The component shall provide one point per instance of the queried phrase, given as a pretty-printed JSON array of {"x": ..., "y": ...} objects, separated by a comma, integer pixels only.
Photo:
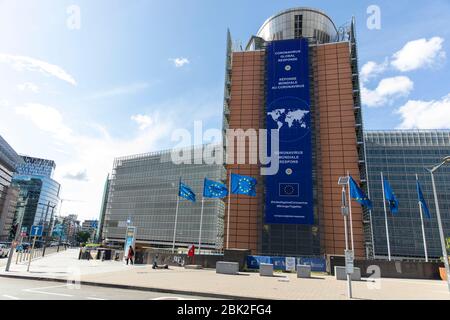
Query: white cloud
[
  {"x": 143, "y": 121},
  {"x": 45, "y": 118},
  {"x": 122, "y": 90},
  {"x": 84, "y": 152},
  {"x": 372, "y": 69},
  {"x": 387, "y": 90},
  {"x": 77, "y": 174},
  {"x": 21, "y": 63},
  {"x": 80, "y": 158},
  {"x": 180, "y": 62},
  {"x": 28, "y": 86},
  {"x": 417, "y": 114},
  {"x": 418, "y": 54}
]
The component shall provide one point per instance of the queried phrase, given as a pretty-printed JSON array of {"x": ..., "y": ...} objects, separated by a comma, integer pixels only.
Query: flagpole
[
  {"x": 201, "y": 223},
  {"x": 423, "y": 226},
  {"x": 350, "y": 210},
  {"x": 228, "y": 215},
  {"x": 386, "y": 220},
  {"x": 176, "y": 218}
]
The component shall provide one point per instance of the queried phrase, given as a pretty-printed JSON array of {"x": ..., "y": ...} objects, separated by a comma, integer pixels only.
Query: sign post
[
  {"x": 36, "y": 231},
  {"x": 349, "y": 255}
]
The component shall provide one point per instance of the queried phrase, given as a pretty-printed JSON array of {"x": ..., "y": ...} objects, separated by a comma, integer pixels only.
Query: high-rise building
[
  {"x": 143, "y": 192},
  {"x": 298, "y": 75},
  {"x": 9, "y": 159},
  {"x": 39, "y": 192},
  {"x": 68, "y": 227},
  {"x": 90, "y": 226},
  {"x": 103, "y": 209},
  {"x": 400, "y": 155}
]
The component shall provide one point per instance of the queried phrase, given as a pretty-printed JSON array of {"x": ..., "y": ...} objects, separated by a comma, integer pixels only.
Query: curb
[{"x": 138, "y": 288}]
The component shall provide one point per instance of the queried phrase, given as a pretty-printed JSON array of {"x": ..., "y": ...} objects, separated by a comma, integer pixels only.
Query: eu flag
[
  {"x": 390, "y": 197},
  {"x": 358, "y": 195},
  {"x": 422, "y": 201},
  {"x": 186, "y": 192},
  {"x": 213, "y": 189},
  {"x": 243, "y": 185}
]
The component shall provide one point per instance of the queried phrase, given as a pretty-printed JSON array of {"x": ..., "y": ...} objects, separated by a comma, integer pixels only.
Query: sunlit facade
[
  {"x": 39, "y": 192},
  {"x": 143, "y": 189},
  {"x": 400, "y": 155},
  {"x": 8, "y": 194}
]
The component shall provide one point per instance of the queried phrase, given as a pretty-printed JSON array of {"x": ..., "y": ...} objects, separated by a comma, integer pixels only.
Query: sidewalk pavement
[{"x": 66, "y": 266}]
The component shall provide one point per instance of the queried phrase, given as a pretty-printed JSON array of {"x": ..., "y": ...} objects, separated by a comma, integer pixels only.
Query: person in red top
[
  {"x": 130, "y": 255},
  {"x": 191, "y": 253}
]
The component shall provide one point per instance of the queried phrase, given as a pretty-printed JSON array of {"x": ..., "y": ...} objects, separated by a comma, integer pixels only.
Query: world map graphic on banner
[{"x": 294, "y": 117}]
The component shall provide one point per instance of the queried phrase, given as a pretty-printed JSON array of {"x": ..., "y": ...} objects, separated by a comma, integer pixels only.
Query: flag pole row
[
  {"x": 238, "y": 184},
  {"x": 356, "y": 193}
]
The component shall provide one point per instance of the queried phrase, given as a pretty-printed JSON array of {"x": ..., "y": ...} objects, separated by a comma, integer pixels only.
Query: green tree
[{"x": 83, "y": 236}]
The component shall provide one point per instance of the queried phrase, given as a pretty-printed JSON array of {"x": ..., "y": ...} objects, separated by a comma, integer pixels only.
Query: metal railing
[{"x": 24, "y": 256}]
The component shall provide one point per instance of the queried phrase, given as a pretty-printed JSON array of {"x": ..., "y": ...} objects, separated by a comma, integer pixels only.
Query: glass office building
[
  {"x": 400, "y": 155},
  {"x": 39, "y": 192},
  {"x": 143, "y": 189}
]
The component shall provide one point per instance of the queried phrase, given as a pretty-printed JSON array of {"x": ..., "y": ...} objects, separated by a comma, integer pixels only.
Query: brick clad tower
[{"x": 337, "y": 144}]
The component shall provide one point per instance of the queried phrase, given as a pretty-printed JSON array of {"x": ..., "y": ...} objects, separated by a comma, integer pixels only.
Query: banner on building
[{"x": 289, "y": 193}]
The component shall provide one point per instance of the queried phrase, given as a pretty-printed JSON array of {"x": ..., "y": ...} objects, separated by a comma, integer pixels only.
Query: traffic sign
[
  {"x": 349, "y": 257},
  {"x": 36, "y": 231}
]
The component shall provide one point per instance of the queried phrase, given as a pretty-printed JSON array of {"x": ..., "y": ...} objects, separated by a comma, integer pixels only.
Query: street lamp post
[
  {"x": 446, "y": 160},
  {"x": 48, "y": 205},
  {"x": 17, "y": 236}
]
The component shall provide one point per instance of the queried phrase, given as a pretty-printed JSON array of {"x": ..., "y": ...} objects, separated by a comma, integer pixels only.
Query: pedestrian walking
[
  {"x": 155, "y": 262},
  {"x": 130, "y": 255}
]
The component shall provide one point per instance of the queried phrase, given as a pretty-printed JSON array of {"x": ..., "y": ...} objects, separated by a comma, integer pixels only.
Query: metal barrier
[{"x": 24, "y": 257}]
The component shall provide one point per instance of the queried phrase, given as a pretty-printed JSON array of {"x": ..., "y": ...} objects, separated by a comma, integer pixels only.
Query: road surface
[{"x": 23, "y": 289}]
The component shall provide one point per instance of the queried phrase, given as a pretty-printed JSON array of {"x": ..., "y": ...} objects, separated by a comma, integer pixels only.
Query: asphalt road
[{"x": 23, "y": 289}]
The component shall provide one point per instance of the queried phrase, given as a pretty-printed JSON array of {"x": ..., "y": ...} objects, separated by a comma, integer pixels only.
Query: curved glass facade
[
  {"x": 299, "y": 23},
  {"x": 38, "y": 191}
]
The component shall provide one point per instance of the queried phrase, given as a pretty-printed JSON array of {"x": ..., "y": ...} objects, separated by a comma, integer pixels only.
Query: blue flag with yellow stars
[
  {"x": 390, "y": 197},
  {"x": 186, "y": 192},
  {"x": 213, "y": 189},
  {"x": 243, "y": 185},
  {"x": 422, "y": 201},
  {"x": 358, "y": 195}
]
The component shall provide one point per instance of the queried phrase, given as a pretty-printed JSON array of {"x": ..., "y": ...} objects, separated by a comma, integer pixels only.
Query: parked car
[{"x": 4, "y": 251}]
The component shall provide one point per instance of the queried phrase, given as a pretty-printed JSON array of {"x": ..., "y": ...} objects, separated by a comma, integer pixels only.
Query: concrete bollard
[
  {"x": 303, "y": 271},
  {"x": 340, "y": 273},
  {"x": 266, "y": 270},
  {"x": 224, "y": 267}
]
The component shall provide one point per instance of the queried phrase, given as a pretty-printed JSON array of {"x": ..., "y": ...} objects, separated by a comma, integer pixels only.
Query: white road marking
[
  {"x": 38, "y": 290},
  {"x": 50, "y": 287},
  {"x": 171, "y": 298},
  {"x": 94, "y": 298},
  {"x": 10, "y": 297}
]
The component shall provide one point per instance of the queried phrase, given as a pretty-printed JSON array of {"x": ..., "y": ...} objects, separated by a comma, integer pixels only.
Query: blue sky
[{"x": 112, "y": 87}]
